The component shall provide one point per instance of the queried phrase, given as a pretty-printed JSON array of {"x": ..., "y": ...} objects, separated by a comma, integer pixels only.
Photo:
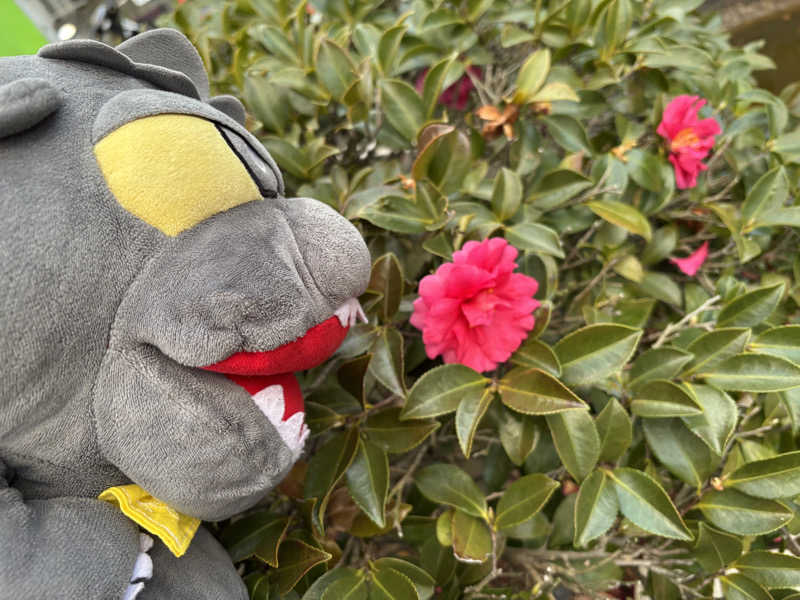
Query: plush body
[{"x": 126, "y": 268}]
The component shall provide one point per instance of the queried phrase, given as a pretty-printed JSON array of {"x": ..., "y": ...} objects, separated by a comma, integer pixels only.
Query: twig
[
  {"x": 606, "y": 268},
  {"x": 673, "y": 327}
]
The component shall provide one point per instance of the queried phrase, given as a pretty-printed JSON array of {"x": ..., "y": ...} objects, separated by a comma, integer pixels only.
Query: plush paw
[
  {"x": 293, "y": 431},
  {"x": 142, "y": 568}
]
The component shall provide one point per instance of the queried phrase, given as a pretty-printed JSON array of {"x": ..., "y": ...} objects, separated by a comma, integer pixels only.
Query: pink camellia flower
[
  {"x": 692, "y": 263},
  {"x": 475, "y": 311},
  {"x": 690, "y": 138}
]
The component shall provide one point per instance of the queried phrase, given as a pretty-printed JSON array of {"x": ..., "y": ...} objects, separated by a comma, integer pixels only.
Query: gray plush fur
[{"x": 104, "y": 320}]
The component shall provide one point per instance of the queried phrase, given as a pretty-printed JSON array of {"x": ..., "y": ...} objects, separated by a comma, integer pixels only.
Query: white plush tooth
[
  {"x": 270, "y": 402},
  {"x": 293, "y": 431}
]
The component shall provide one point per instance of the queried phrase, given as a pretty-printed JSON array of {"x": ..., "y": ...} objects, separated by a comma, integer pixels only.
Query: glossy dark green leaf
[
  {"x": 447, "y": 484},
  {"x": 753, "y": 373},
  {"x": 713, "y": 347},
  {"x": 715, "y": 549},
  {"x": 557, "y": 187},
  {"x": 386, "y": 281},
  {"x": 385, "y": 429},
  {"x": 736, "y": 586},
  {"x": 295, "y": 559},
  {"x": 770, "y": 569},
  {"x": 576, "y": 440},
  {"x": 680, "y": 450},
  {"x": 349, "y": 587},
  {"x": 325, "y": 581},
  {"x": 368, "y": 480},
  {"x": 596, "y": 508},
  {"x": 535, "y": 237},
  {"x": 334, "y": 68},
  {"x": 767, "y": 194},
  {"x": 662, "y": 399},
  {"x": 402, "y": 107},
  {"x": 387, "y": 360},
  {"x": 716, "y": 424},
  {"x": 645, "y": 169},
  {"x": 421, "y": 579},
  {"x": 444, "y": 157},
  {"x": 593, "y": 353},
  {"x": 615, "y": 429},
  {"x": 751, "y": 308},
  {"x": 352, "y": 377},
  {"x": 777, "y": 477},
  {"x": 622, "y": 215},
  {"x": 735, "y": 512},
  {"x": 617, "y": 21},
  {"x": 658, "y": 363},
  {"x": 472, "y": 541},
  {"x": 532, "y": 75},
  {"x": 645, "y": 503},
  {"x": 434, "y": 84},
  {"x": 533, "y": 353},
  {"x": 779, "y": 341},
  {"x": 440, "y": 390},
  {"x": 519, "y": 435},
  {"x": 523, "y": 499},
  {"x": 261, "y": 530},
  {"x": 388, "y": 47},
  {"x": 326, "y": 468},
  {"x": 568, "y": 133},
  {"x": 533, "y": 392},
  {"x": 468, "y": 416},
  {"x": 506, "y": 194},
  {"x": 390, "y": 584}
]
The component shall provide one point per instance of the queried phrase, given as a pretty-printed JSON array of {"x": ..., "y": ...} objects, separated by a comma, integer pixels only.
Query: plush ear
[
  {"x": 230, "y": 106},
  {"x": 26, "y": 102},
  {"x": 170, "y": 49}
]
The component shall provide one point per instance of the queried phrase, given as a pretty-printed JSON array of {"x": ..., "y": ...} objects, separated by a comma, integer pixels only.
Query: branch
[{"x": 673, "y": 327}]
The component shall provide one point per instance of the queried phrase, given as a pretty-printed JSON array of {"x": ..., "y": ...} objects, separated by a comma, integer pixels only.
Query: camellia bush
[{"x": 580, "y": 377}]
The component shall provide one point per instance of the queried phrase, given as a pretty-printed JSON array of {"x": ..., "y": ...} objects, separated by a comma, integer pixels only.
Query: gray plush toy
[{"x": 158, "y": 291}]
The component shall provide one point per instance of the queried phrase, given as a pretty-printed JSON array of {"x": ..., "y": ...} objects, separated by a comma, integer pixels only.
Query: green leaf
[
  {"x": 350, "y": 587},
  {"x": 595, "y": 352},
  {"x": 678, "y": 449},
  {"x": 779, "y": 341},
  {"x": 387, "y": 360},
  {"x": 531, "y": 391},
  {"x": 623, "y": 215},
  {"x": 777, "y": 477},
  {"x": 334, "y": 68},
  {"x": 260, "y": 531},
  {"x": 386, "y": 281},
  {"x": 288, "y": 157},
  {"x": 767, "y": 194},
  {"x": 351, "y": 376},
  {"x": 472, "y": 541},
  {"x": 402, "y": 107},
  {"x": 447, "y": 484},
  {"x": 368, "y": 480},
  {"x": 736, "y": 586},
  {"x": 576, "y": 440},
  {"x": 751, "y": 308},
  {"x": 713, "y": 347},
  {"x": 390, "y": 584},
  {"x": 715, "y": 549},
  {"x": 770, "y": 569},
  {"x": 267, "y": 103},
  {"x": 440, "y": 390},
  {"x": 523, "y": 499},
  {"x": 645, "y": 169},
  {"x": 557, "y": 187},
  {"x": 661, "y": 399},
  {"x": 325, "y": 581},
  {"x": 754, "y": 373},
  {"x": 533, "y": 353},
  {"x": 258, "y": 586},
  {"x": 554, "y": 92},
  {"x": 506, "y": 194},
  {"x": 615, "y": 429},
  {"x": 616, "y": 22},
  {"x": 658, "y": 363},
  {"x": 387, "y": 48},
  {"x": 532, "y": 75},
  {"x": 779, "y": 216},
  {"x": 385, "y": 429},
  {"x": 444, "y": 157},
  {"x": 327, "y": 467},
  {"x": 295, "y": 559},
  {"x": 595, "y": 509},
  {"x": 645, "y": 503},
  {"x": 434, "y": 84},
  {"x": 519, "y": 435},
  {"x": 535, "y": 237},
  {"x": 733, "y": 511},
  {"x": 568, "y": 133},
  {"x": 716, "y": 424},
  {"x": 468, "y": 416},
  {"x": 661, "y": 287},
  {"x": 422, "y": 581}
]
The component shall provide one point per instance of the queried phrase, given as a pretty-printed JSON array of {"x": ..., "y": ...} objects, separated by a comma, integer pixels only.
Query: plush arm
[
  {"x": 190, "y": 438},
  {"x": 63, "y": 547}
]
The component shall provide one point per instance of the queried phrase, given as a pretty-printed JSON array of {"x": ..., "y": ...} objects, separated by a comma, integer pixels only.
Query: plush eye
[
  {"x": 257, "y": 166},
  {"x": 174, "y": 171}
]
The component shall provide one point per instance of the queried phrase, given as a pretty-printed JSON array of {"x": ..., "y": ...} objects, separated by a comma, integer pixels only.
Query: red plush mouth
[{"x": 256, "y": 371}]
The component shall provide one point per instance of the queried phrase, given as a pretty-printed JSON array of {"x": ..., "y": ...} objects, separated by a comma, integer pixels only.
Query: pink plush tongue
[{"x": 255, "y": 371}]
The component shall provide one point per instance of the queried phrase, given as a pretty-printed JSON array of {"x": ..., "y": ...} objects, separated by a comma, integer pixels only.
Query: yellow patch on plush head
[{"x": 173, "y": 171}]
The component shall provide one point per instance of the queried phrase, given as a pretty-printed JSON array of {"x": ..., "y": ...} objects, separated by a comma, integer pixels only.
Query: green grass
[{"x": 18, "y": 35}]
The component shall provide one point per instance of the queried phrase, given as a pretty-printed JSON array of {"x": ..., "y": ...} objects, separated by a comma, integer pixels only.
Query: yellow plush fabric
[
  {"x": 175, "y": 529},
  {"x": 173, "y": 171}
]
